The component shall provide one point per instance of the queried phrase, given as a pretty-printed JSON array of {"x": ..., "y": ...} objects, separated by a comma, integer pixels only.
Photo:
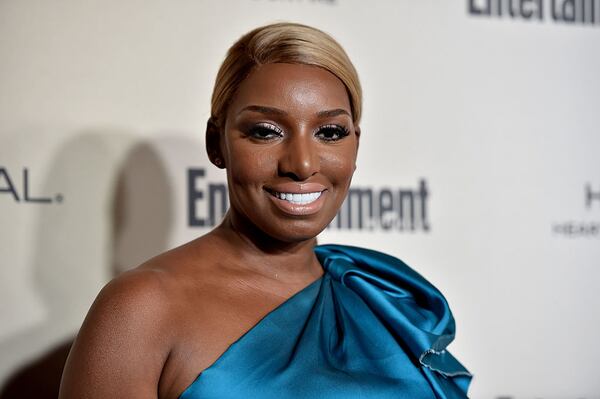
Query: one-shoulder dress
[{"x": 370, "y": 327}]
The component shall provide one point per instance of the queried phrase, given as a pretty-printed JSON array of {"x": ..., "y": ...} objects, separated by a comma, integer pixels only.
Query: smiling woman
[
  {"x": 288, "y": 137},
  {"x": 254, "y": 308}
]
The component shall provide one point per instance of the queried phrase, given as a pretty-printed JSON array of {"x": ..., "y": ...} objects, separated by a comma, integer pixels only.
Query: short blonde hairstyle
[{"x": 288, "y": 43}]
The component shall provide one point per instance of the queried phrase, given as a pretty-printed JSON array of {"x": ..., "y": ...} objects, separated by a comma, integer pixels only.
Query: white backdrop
[{"x": 102, "y": 111}]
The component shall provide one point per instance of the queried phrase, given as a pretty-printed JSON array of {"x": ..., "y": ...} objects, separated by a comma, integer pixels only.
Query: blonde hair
[{"x": 289, "y": 43}]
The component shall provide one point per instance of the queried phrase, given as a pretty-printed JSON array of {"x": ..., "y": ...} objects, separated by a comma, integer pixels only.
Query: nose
[{"x": 300, "y": 158}]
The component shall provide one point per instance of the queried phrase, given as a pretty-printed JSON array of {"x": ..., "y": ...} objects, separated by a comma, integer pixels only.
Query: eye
[
  {"x": 265, "y": 131},
  {"x": 332, "y": 132}
]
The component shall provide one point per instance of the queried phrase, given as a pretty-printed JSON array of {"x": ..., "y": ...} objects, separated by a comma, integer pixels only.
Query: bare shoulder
[
  {"x": 153, "y": 292},
  {"x": 123, "y": 342},
  {"x": 137, "y": 297},
  {"x": 128, "y": 334}
]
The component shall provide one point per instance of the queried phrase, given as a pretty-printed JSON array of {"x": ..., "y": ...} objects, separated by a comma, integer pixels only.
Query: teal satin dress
[{"x": 370, "y": 327}]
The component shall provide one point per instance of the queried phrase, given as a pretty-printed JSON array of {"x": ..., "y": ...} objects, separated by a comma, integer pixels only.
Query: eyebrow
[
  {"x": 332, "y": 112},
  {"x": 279, "y": 112},
  {"x": 264, "y": 110}
]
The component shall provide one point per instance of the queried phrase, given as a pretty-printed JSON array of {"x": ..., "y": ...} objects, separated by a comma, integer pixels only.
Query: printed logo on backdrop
[
  {"x": 583, "y": 228},
  {"x": 388, "y": 209},
  {"x": 581, "y": 12},
  {"x": 17, "y": 186}
]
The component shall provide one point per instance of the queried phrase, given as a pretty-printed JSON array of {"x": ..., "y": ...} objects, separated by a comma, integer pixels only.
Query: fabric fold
[
  {"x": 371, "y": 327},
  {"x": 405, "y": 301}
]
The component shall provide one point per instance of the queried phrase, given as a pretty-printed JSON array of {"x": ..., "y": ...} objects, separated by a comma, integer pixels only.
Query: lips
[{"x": 298, "y": 198}]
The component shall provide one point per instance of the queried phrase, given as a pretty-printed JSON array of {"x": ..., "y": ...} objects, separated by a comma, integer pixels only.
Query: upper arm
[{"x": 123, "y": 343}]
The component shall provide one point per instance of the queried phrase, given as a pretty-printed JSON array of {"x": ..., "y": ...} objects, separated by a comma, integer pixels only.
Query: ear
[{"x": 213, "y": 144}]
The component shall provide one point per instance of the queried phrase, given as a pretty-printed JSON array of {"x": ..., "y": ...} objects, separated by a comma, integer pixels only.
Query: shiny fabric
[{"x": 370, "y": 327}]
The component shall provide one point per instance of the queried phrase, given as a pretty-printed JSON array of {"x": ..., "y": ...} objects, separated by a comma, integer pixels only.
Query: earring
[{"x": 218, "y": 161}]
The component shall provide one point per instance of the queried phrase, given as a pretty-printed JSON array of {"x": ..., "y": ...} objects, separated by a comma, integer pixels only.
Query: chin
[
  {"x": 295, "y": 231},
  {"x": 271, "y": 225}
]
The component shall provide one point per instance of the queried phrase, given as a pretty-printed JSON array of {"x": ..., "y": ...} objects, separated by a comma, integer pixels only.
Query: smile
[{"x": 298, "y": 199}]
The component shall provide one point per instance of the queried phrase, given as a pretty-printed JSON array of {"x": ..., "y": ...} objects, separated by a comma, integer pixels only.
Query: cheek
[
  {"x": 251, "y": 167},
  {"x": 339, "y": 165}
]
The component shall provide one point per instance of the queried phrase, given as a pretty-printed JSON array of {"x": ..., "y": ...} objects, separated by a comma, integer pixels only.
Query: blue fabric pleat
[{"x": 370, "y": 327}]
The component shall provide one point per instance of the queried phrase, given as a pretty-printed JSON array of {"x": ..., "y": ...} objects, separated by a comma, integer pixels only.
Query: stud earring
[{"x": 218, "y": 161}]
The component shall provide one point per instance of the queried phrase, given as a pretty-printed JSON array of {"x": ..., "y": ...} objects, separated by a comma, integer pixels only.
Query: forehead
[{"x": 292, "y": 87}]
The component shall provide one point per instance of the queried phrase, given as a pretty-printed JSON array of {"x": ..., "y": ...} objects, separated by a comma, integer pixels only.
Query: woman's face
[{"x": 289, "y": 146}]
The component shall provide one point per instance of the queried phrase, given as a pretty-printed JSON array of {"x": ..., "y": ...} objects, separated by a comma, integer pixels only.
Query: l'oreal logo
[
  {"x": 22, "y": 192},
  {"x": 365, "y": 208}
]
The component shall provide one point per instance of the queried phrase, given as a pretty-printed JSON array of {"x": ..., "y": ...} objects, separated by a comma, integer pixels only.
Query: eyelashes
[
  {"x": 267, "y": 131},
  {"x": 332, "y": 132}
]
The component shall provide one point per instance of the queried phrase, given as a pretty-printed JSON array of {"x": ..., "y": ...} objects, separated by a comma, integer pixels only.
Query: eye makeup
[
  {"x": 265, "y": 131},
  {"x": 332, "y": 132}
]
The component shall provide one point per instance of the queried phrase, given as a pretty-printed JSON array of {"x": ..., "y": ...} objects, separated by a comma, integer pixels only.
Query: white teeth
[{"x": 301, "y": 199}]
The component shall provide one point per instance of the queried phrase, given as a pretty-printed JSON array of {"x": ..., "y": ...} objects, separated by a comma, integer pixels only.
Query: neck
[{"x": 267, "y": 255}]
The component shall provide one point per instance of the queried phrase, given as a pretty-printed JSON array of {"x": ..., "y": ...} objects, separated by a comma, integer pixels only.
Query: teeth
[{"x": 300, "y": 199}]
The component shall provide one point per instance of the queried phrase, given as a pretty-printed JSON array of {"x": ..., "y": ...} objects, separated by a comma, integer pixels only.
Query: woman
[{"x": 253, "y": 308}]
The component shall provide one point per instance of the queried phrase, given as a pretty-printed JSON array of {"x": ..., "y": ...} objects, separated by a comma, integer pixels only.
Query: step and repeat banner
[{"x": 479, "y": 165}]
